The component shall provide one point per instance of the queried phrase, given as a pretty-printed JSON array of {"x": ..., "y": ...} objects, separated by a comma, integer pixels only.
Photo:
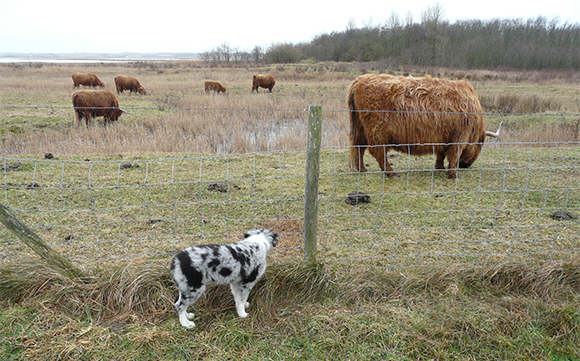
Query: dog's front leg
[{"x": 241, "y": 292}]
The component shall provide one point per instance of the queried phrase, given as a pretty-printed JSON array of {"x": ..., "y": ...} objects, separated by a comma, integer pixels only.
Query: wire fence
[
  {"x": 517, "y": 203},
  {"x": 164, "y": 107}
]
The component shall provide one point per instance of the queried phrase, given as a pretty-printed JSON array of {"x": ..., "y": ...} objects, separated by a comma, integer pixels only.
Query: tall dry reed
[{"x": 178, "y": 117}]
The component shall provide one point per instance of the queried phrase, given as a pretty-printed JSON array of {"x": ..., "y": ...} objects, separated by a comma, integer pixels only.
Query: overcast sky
[{"x": 113, "y": 26}]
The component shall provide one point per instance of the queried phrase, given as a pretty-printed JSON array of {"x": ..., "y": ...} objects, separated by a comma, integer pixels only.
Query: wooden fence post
[
  {"x": 311, "y": 187},
  {"x": 32, "y": 240}
]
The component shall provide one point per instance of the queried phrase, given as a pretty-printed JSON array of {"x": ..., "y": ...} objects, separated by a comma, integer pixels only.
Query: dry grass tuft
[
  {"x": 277, "y": 293},
  {"x": 512, "y": 103},
  {"x": 131, "y": 293},
  {"x": 550, "y": 280},
  {"x": 144, "y": 293}
]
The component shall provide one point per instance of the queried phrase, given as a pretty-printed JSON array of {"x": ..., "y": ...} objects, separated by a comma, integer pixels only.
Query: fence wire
[
  {"x": 175, "y": 108},
  {"x": 516, "y": 204}
]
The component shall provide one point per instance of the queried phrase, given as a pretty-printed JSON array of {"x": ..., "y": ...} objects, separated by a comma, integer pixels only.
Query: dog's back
[{"x": 220, "y": 264}]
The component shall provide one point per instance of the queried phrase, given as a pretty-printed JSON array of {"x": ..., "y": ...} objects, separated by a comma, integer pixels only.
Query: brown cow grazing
[
  {"x": 87, "y": 79},
  {"x": 215, "y": 86},
  {"x": 129, "y": 83},
  {"x": 265, "y": 81},
  {"x": 89, "y": 104},
  {"x": 415, "y": 116}
]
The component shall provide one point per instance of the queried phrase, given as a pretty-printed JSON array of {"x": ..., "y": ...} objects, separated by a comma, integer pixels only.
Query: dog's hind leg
[
  {"x": 189, "y": 315},
  {"x": 183, "y": 302}
]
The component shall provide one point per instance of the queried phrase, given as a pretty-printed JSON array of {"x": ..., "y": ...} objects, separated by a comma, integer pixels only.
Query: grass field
[
  {"x": 101, "y": 212},
  {"x": 177, "y": 116},
  {"x": 430, "y": 269}
]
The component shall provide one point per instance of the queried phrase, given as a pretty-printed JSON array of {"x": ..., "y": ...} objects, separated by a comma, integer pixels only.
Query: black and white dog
[{"x": 240, "y": 264}]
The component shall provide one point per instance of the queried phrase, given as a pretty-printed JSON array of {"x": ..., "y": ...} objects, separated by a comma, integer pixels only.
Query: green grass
[
  {"x": 431, "y": 269},
  {"x": 299, "y": 313},
  {"x": 499, "y": 210}
]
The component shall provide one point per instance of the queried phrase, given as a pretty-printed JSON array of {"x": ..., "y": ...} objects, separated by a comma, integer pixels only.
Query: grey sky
[{"x": 66, "y": 26}]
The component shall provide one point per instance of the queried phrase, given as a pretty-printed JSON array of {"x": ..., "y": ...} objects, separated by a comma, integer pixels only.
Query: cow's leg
[
  {"x": 440, "y": 159},
  {"x": 78, "y": 118},
  {"x": 357, "y": 154},
  {"x": 380, "y": 154},
  {"x": 452, "y": 153}
]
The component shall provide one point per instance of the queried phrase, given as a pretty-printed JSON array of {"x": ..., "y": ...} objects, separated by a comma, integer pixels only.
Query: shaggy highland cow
[
  {"x": 214, "y": 86},
  {"x": 129, "y": 83},
  {"x": 415, "y": 116},
  {"x": 265, "y": 81},
  {"x": 87, "y": 79},
  {"x": 89, "y": 104}
]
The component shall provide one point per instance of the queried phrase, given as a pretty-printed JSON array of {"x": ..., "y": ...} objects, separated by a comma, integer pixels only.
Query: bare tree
[
  {"x": 225, "y": 52},
  {"x": 433, "y": 15},
  {"x": 431, "y": 20},
  {"x": 257, "y": 54}
]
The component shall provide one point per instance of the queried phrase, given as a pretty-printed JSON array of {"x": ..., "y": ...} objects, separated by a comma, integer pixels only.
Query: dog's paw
[
  {"x": 190, "y": 316},
  {"x": 187, "y": 324},
  {"x": 247, "y": 305},
  {"x": 241, "y": 312},
  {"x": 185, "y": 320}
]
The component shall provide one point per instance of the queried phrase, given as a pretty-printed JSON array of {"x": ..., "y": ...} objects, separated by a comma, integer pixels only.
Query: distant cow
[
  {"x": 129, "y": 83},
  {"x": 415, "y": 116},
  {"x": 89, "y": 104},
  {"x": 87, "y": 79},
  {"x": 265, "y": 81},
  {"x": 214, "y": 86}
]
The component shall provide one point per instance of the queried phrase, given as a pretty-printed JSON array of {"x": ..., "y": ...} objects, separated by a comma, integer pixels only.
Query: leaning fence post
[
  {"x": 33, "y": 241},
  {"x": 311, "y": 187}
]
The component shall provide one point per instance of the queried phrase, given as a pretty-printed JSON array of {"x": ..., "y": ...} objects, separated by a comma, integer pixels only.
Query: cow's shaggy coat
[
  {"x": 265, "y": 81},
  {"x": 214, "y": 86},
  {"x": 129, "y": 83},
  {"x": 87, "y": 79},
  {"x": 416, "y": 116},
  {"x": 89, "y": 104},
  {"x": 239, "y": 264}
]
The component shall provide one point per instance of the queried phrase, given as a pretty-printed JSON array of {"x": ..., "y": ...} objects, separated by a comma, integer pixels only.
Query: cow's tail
[
  {"x": 77, "y": 113},
  {"x": 357, "y": 136}
]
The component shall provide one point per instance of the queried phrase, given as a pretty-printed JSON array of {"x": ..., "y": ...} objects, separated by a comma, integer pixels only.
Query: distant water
[
  {"x": 62, "y": 61},
  {"x": 92, "y": 60}
]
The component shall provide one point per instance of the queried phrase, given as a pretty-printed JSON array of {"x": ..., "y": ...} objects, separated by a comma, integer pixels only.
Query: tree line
[{"x": 526, "y": 44}]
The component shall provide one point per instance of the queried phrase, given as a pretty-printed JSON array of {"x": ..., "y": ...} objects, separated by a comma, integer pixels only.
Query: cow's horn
[
  {"x": 492, "y": 134},
  {"x": 124, "y": 111}
]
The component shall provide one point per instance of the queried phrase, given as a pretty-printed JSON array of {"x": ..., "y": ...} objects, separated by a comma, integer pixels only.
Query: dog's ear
[
  {"x": 251, "y": 233},
  {"x": 275, "y": 238}
]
